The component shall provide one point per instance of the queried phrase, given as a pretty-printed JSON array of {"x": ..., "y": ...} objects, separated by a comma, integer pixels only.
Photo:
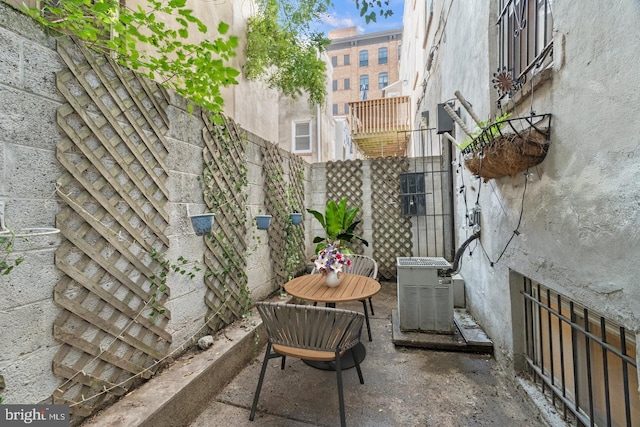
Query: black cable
[{"x": 515, "y": 233}]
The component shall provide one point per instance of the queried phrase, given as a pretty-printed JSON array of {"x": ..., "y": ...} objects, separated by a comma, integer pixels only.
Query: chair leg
[
  {"x": 355, "y": 360},
  {"x": 371, "y": 307},
  {"x": 343, "y": 421},
  {"x": 282, "y": 362},
  {"x": 265, "y": 362},
  {"x": 366, "y": 318}
]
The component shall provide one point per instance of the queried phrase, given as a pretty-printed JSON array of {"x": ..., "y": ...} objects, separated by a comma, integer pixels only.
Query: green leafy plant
[
  {"x": 494, "y": 127},
  {"x": 283, "y": 52},
  {"x": 158, "y": 284},
  {"x": 368, "y": 9},
  {"x": 141, "y": 40},
  {"x": 339, "y": 224},
  {"x": 6, "y": 248}
]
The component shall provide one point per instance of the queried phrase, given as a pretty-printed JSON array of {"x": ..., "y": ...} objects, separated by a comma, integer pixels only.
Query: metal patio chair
[
  {"x": 309, "y": 333},
  {"x": 364, "y": 266}
]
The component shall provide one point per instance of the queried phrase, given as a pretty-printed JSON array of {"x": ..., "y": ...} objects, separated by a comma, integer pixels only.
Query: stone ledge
[{"x": 178, "y": 394}]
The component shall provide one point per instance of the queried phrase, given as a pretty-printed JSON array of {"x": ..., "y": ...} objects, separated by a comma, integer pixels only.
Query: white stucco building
[{"x": 558, "y": 241}]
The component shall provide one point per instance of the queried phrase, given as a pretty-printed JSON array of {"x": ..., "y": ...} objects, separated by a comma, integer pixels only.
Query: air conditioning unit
[{"x": 425, "y": 301}]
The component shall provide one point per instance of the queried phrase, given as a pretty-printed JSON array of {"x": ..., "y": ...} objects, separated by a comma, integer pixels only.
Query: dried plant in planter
[
  {"x": 504, "y": 147},
  {"x": 507, "y": 147}
]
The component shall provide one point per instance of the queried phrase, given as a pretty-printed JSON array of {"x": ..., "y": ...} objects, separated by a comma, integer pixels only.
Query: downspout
[{"x": 318, "y": 133}]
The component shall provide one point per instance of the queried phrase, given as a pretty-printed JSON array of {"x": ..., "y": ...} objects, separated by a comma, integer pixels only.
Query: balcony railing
[{"x": 378, "y": 126}]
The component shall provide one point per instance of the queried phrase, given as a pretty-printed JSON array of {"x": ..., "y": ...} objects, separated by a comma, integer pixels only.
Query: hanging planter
[
  {"x": 296, "y": 218},
  {"x": 507, "y": 147},
  {"x": 202, "y": 223},
  {"x": 263, "y": 221}
]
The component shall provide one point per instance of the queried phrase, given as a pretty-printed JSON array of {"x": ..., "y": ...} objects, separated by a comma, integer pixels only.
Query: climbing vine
[
  {"x": 6, "y": 249},
  {"x": 140, "y": 39}
]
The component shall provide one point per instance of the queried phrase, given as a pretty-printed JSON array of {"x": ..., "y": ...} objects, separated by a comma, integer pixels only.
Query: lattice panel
[
  {"x": 295, "y": 233},
  {"x": 391, "y": 231},
  {"x": 344, "y": 179},
  {"x": 224, "y": 186},
  {"x": 275, "y": 203},
  {"x": 115, "y": 192}
]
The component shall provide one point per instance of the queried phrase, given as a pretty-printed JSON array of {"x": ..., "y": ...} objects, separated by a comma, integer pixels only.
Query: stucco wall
[{"x": 579, "y": 233}]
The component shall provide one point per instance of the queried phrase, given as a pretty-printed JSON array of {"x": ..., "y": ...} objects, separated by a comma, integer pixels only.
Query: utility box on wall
[{"x": 425, "y": 302}]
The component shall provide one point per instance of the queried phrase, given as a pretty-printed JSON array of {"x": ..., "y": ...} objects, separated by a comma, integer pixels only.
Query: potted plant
[
  {"x": 329, "y": 262},
  {"x": 339, "y": 224},
  {"x": 202, "y": 223},
  {"x": 263, "y": 221},
  {"x": 296, "y": 218}
]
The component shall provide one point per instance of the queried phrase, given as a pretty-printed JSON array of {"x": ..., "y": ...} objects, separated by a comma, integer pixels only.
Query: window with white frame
[
  {"x": 525, "y": 37},
  {"x": 302, "y": 136}
]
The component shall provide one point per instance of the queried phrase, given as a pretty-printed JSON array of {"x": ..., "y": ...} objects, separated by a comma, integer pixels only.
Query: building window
[
  {"x": 399, "y": 51},
  {"x": 346, "y": 108},
  {"x": 412, "y": 194},
  {"x": 524, "y": 35},
  {"x": 347, "y": 84},
  {"x": 364, "y": 58},
  {"x": 302, "y": 136},
  {"x": 383, "y": 55},
  {"x": 383, "y": 80},
  {"x": 334, "y": 61},
  {"x": 335, "y": 109},
  {"x": 364, "y": 82},
  {"x": 584, "y": 360},
  {"x": 334, "y": 85},
  {"x": 347, "y": 59}
]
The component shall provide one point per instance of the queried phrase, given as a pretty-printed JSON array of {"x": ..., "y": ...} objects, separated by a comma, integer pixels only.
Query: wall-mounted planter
[
  {"x": 202, "y": 223},
  {"x": 263, "y": 221},
  {"x": 509, "y": 147},
  {"x": 296, "y": 218}
]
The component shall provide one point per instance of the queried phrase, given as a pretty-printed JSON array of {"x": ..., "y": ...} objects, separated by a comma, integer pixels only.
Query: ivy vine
[
  {"x": 7, "y": 240},
  {"x": 141, "y": 40}
]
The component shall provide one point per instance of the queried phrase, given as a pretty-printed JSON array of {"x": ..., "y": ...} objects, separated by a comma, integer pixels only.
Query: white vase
[{"x": 332, "y": 279}]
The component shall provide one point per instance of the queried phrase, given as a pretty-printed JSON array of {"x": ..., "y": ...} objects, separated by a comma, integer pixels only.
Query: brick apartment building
[{"x": 363, "y": 65}]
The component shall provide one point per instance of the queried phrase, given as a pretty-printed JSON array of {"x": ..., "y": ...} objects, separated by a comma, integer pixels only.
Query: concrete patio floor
[{"x": 404, "y": 386}]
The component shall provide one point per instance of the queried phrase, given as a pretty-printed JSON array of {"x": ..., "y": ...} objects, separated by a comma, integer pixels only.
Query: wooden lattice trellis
[
  {"x": 115, "y": 192},
  {"x": 344, "y": 179},
  {"x": 295, "y": 234},
  {"x": 391, "y": 231},
  {"x": 225, "y": 192}
]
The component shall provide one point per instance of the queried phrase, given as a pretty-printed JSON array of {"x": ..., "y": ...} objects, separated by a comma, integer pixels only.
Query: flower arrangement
[{"x": 331, "y": 259}]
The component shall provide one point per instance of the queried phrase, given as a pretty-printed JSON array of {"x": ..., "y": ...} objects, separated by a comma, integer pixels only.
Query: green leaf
[
  {"x": 177, "y": 3},
  {"x": 223, "y": 27}
]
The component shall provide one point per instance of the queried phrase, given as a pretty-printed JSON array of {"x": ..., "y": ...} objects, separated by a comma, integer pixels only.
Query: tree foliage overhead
[
  {"x": 284, "y": 52},
  {"x": 371, "y": 9},
  {"x": 141, "y": 40}
]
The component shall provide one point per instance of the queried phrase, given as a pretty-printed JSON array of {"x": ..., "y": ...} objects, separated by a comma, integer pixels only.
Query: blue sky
[{"x": 345, "y": 14}]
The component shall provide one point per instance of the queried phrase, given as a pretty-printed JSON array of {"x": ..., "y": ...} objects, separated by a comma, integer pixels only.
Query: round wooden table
[{"x": 352, "y": 287}]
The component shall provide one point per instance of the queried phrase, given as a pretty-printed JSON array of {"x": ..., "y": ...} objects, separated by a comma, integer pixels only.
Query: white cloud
[{"x": 334, "y": 21}]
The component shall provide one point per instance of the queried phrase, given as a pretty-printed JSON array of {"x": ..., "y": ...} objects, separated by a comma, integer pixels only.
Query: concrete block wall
[{"x": 28, "y": 173}]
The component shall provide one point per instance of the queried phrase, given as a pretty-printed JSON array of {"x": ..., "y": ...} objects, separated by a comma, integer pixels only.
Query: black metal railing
[
  {"x": 585, "y": 362},
  {"x": 525, "y": 35}
]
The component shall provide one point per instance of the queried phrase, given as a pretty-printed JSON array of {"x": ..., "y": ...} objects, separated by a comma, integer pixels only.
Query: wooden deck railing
[
  {"x": 378, "y": 126},
  {"x": 380, "y": 115}
]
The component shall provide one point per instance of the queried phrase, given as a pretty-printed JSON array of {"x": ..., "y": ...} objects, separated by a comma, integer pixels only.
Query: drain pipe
[
  {"x": 318, "y": 133},
  {"x": 456, "y": 259}
]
